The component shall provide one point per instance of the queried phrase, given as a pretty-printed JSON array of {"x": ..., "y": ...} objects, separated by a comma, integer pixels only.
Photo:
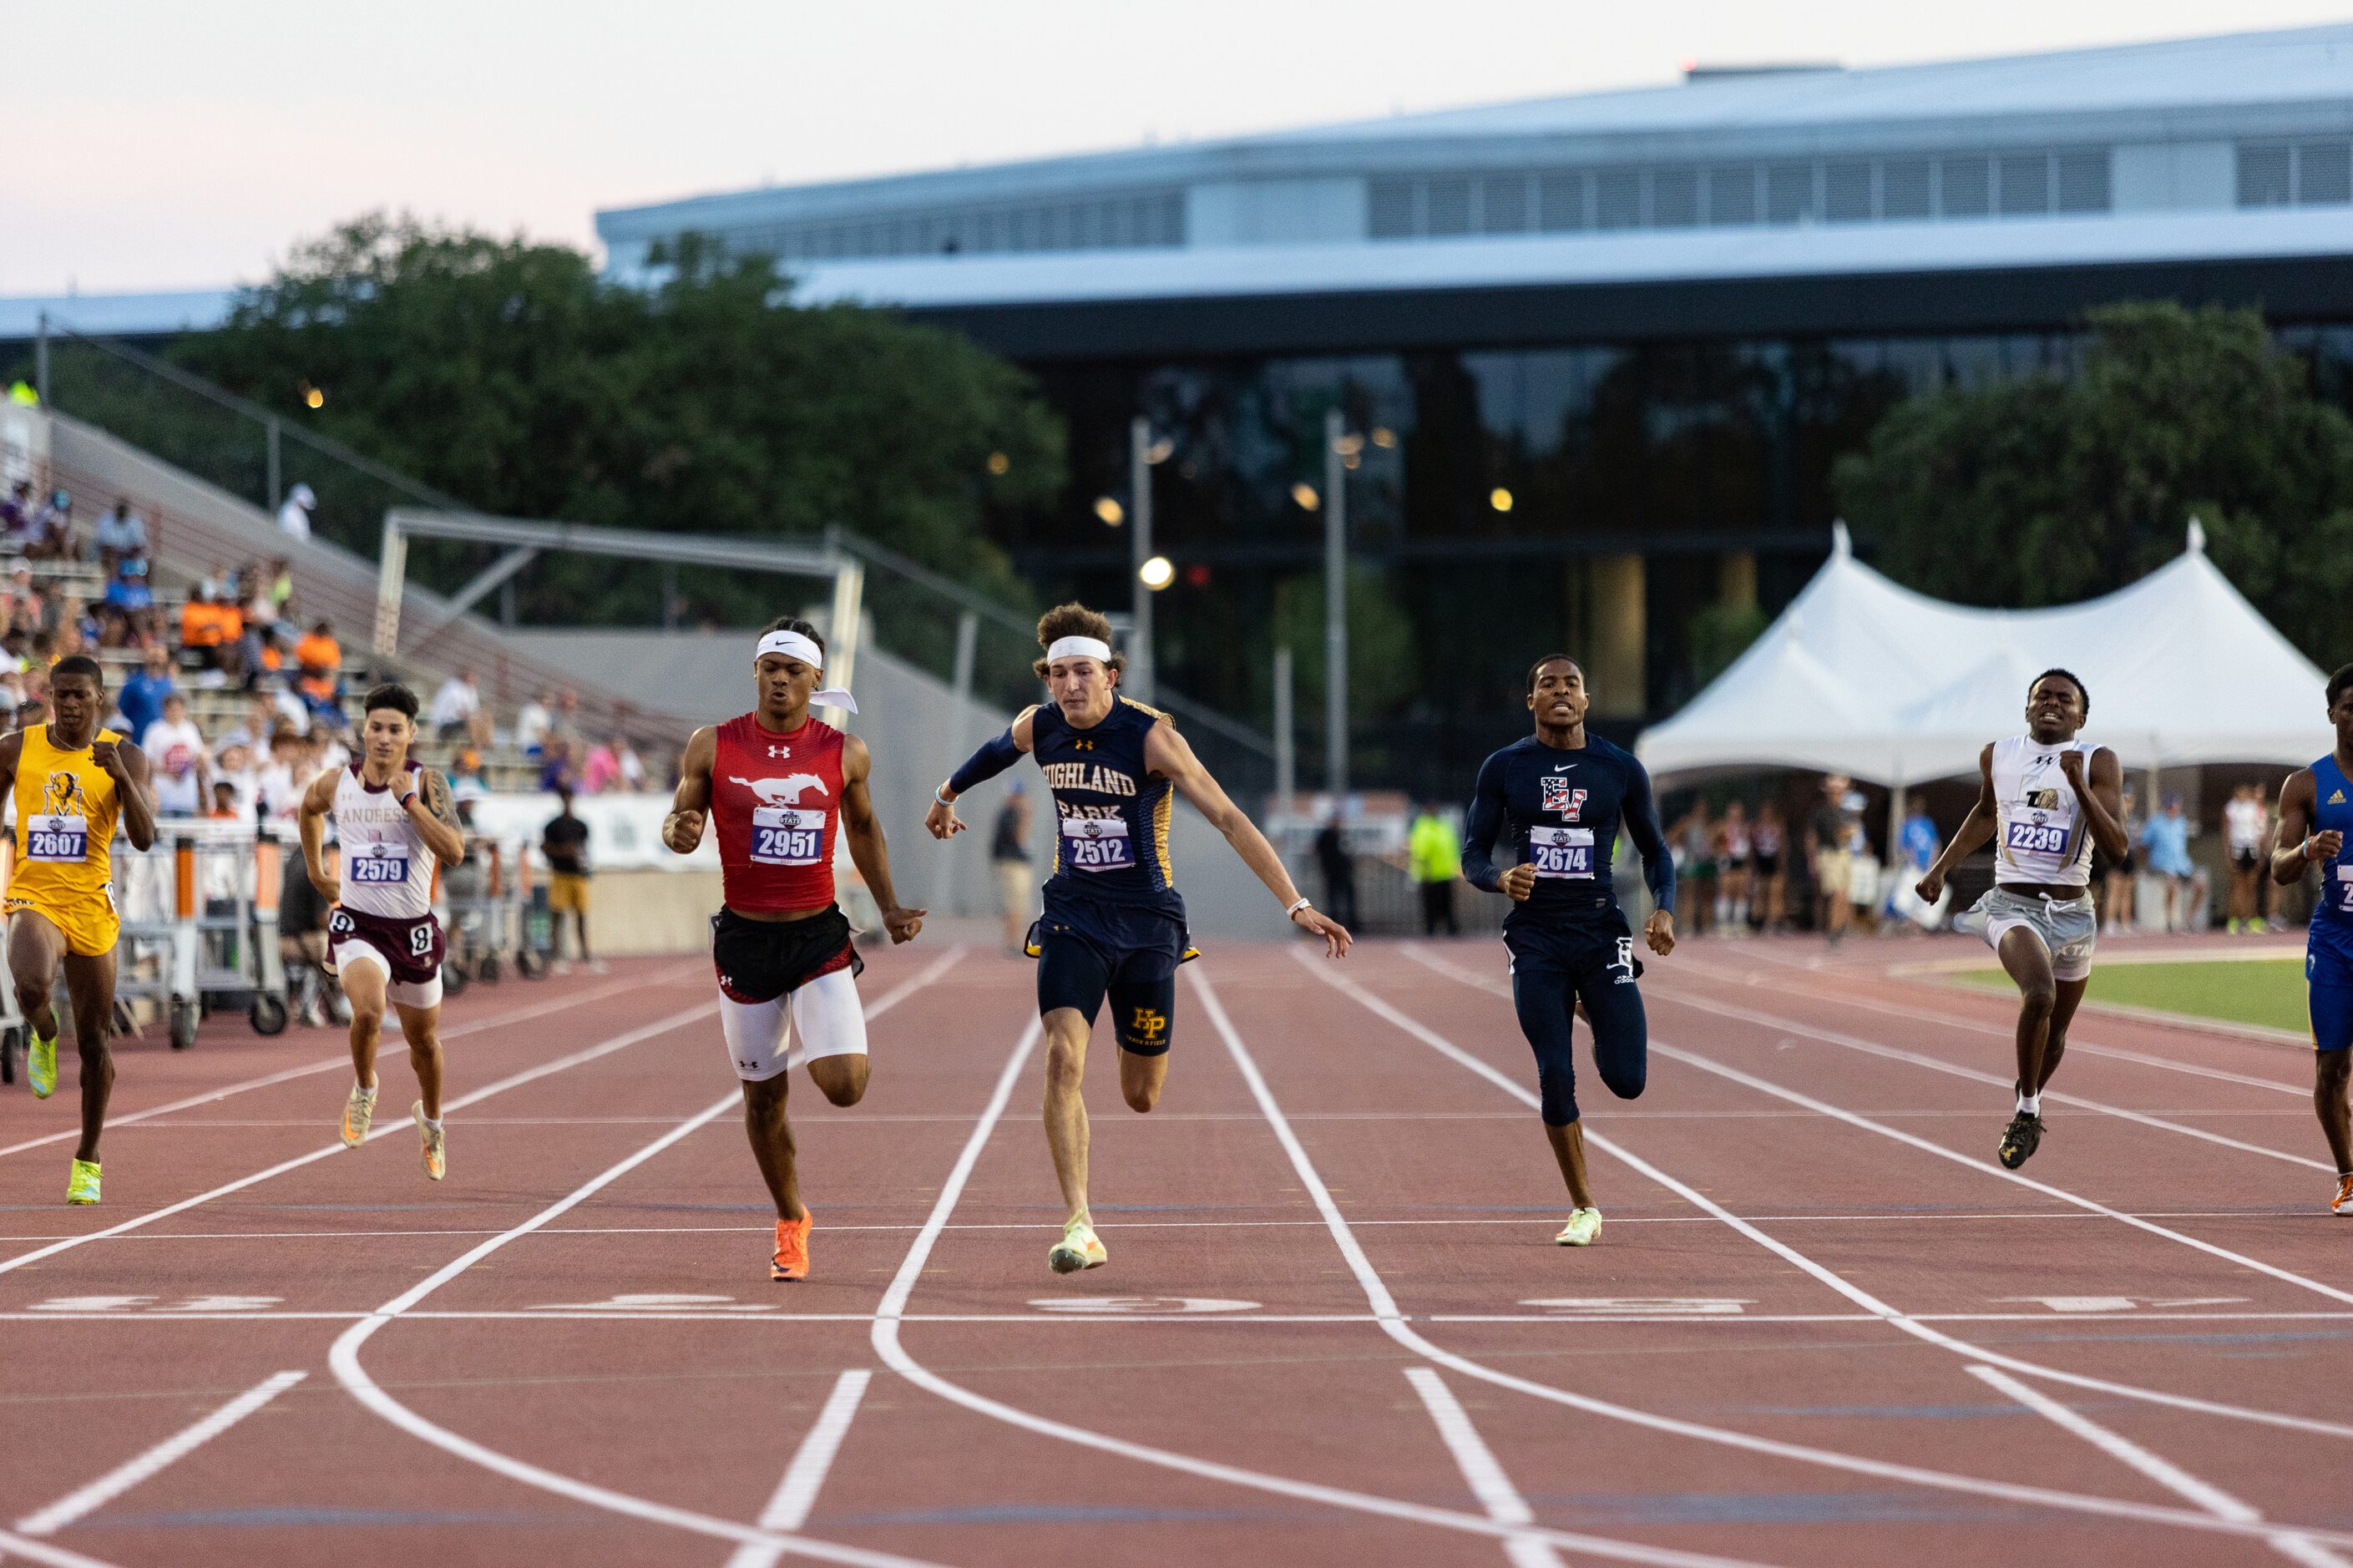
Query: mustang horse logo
[{"x": 786, "y": 791}]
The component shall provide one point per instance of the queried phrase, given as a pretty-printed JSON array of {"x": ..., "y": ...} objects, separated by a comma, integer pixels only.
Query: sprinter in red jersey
[{"x": 780, "y": 784}]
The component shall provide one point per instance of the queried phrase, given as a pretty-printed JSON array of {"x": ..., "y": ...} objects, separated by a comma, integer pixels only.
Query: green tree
[
  {"x": 509, "y": 375},
  {"x": 2051, "y": 489}
]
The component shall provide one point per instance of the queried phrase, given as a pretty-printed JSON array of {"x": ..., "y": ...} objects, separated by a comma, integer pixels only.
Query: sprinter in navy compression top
[{"x": 1554, "y": 801}]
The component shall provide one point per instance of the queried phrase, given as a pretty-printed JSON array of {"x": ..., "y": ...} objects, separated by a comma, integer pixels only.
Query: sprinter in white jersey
[
  {"x": 397, "y": 826},
  {"x": 2046, "y": 798}
]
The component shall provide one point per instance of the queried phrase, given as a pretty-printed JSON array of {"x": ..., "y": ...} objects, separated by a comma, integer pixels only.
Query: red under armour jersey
[{"x": 775, "y": 801}]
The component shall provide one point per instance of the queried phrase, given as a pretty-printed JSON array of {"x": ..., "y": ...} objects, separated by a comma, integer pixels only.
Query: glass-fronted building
[{"x": 1597, "y": 356}]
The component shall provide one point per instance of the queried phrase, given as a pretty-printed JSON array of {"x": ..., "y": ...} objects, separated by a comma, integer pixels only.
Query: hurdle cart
[
  {"x": 200, "y": 924},
  {"x": 489, "y": 904}
]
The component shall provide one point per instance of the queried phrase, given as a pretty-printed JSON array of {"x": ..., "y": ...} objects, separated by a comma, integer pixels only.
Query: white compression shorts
[
  {"x": 399, "y": 993},
  {"x": 822, "y": 1019}
]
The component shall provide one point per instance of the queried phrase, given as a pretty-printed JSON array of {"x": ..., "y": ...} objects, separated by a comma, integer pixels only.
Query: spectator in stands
[
  {"x": 456, "y": 705},
  {"x": 121, "y": 535},
  {"x": 176, "y": 750},
  {"x": 52, "y": 533},
  {"x": 26, "y": 606},
  {"x": 633, "y": 767},
  {"x": 468, "y": 779},
  {"x": 205, "y": 633},
  {"x": 320, "y": 660},
  {"x": 126, "y": 593},
  {"x": 14, "y": 651},
  {"x": 555, "y": 770},
  {"x": 143, "y": 696},
  {"x": 16, "y": 515},
  {"x": 31, "y": 712},
  {"x": 294, "y": 517},
  {"x": 281, "y": 586},
  {"x": 233, "y": 770},
  {"x": 251, "y": 729},
  {"x": 531, "y": 723},
  {"x": 565, "y": 722},
  {"x": 11, "y": 697},
  {"x": 73, "y": 614},
  {"x": 601, "y": 771}
]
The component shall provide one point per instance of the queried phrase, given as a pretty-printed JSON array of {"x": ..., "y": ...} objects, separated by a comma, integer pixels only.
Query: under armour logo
[{"x": 776, "y": 752}]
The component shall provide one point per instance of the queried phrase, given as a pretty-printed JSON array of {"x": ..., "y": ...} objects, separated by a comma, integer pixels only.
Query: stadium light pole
[
  {"x": 1138, "y": 679},
  {"x": 1336, "y": 611}
]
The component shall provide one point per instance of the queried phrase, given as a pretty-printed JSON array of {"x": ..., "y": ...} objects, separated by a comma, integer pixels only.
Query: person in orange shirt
[{"x": 321, "y": 658}]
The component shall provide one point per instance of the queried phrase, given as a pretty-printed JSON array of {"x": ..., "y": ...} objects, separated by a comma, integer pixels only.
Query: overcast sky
[{"x": 156, "y": 144}]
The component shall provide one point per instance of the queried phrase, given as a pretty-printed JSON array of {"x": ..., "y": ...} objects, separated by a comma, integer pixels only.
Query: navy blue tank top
[
  {"x": 2332, "y": 795},
  {"x": 1111, "y": 816}
]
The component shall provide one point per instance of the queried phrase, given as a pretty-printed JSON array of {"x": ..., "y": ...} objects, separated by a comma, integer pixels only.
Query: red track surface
[{"x": 1767, "y": 1358}]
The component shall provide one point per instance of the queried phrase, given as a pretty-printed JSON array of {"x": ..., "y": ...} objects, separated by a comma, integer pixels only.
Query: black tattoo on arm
[{"x": 437, "y": 800}]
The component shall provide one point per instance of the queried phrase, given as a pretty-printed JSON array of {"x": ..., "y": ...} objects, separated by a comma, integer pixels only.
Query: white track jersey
[
  {"x": 388, "y": 870},
  {"x": 2040, "y": 834}
]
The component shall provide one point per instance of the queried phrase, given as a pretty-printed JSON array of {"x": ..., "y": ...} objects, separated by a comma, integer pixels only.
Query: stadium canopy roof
[{"x": 1864, "y": 678}]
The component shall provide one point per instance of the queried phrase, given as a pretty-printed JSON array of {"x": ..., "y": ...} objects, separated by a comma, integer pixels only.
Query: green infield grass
[{"x": 2266, "y": 991}]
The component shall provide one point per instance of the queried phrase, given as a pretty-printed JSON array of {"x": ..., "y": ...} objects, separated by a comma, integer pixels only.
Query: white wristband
[
  {"x": 943, "y": 799},
  {"x": 1294, "y": 909}
]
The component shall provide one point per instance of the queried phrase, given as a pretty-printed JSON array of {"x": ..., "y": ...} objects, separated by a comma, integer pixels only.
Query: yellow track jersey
[{"x": 65, "y": 811}]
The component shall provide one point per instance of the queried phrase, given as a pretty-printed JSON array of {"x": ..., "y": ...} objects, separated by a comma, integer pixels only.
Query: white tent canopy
[{"x": 1864, "y": 678}]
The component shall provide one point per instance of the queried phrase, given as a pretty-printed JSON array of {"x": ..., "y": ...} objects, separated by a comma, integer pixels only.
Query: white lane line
[
  {"x": 660, "y": 1027},
  {"x": 1384, "y": 1305},
  {"x": 343, "y": 1058},
  {"x": 796, "y": 1493},
  {"x": 2157, "y": 1468},
  {"x": 344, "y": 1358},
  {"x": 42, "y": 1552},
  {"x": 1911, "y": 1323},
  {"x": 892, "y": 1312},
  {"x": 1727, "y": 1320},
  {"x": 87, "y": 1500},
  {"x": 1854, "y": 1118},
  {"x": 1481, "y": 1470},
  {"x": 2005, "y": 1031},
  {"x": 1954, "y": 1069}
]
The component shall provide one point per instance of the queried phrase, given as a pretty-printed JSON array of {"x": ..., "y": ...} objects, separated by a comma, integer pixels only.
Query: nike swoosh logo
[{"x": 1564, "y": 767}]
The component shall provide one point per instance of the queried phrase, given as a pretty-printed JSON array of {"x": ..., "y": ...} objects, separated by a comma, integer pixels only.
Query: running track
[{"x": 1822, "y": 1326}]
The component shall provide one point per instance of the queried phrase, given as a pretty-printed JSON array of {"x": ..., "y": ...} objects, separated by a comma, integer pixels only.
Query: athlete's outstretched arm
[
  {"x": 436, "y": 822},
  {"x": 867, "y": 850},
  {"x": 690, "y": 806},
  {"x": 12, "y": 756},
  {"x": 996, "y": 754},
  {"x": 126, "y": 764},
  {"x": 2102, "y": 796},
  {"x": 1970, "y": 837},
  {"x": 1642, "y": 815},
  {"x": 318, "y": 799},
  {"x": 1169, "y": 755},
  {"x": 2295, "y": 845},
  {"x": 1481, "y": 827}
]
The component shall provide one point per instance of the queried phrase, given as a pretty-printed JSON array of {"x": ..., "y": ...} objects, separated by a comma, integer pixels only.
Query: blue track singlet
[{"x": 2328, "y": 945}]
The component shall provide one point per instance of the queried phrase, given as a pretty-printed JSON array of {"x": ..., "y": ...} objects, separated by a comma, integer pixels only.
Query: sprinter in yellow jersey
[{"x": 72, "y": 783}]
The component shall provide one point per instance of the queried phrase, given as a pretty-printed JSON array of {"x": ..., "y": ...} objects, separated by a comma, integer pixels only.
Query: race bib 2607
[
  {"x": 56, "y": 838},
  {"x": 1561, "y": 852},
  {"x": 786, "y": 835}
]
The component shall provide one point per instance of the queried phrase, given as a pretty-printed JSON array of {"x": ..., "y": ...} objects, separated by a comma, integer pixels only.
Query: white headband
[
  {"x": 1076, "y": 647},
  {"x": 795, "y": 645}
]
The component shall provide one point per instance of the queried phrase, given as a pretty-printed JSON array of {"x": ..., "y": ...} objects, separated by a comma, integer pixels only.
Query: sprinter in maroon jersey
[{"x": 781, "y": 784}]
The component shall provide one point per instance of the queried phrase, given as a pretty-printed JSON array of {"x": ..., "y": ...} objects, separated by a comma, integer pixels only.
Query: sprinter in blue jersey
[
  {"x": 1113, "y": 924},
  {"x": 1554, "y": 801},
  {"x": 2315, "y": 815}
]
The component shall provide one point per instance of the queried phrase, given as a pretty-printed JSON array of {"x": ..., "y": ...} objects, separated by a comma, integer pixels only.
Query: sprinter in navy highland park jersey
[
  {"x": 1553, "y": 802},
  {"x": 2316, "y": 817},
  {"x": 1113, "y": 925}
]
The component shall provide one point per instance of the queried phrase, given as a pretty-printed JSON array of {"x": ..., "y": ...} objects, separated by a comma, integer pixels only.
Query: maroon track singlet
[{"x": 775, "y": 801}]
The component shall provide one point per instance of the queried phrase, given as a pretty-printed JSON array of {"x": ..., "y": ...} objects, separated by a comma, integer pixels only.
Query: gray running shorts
[{"x": 2068, "y": 928}]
